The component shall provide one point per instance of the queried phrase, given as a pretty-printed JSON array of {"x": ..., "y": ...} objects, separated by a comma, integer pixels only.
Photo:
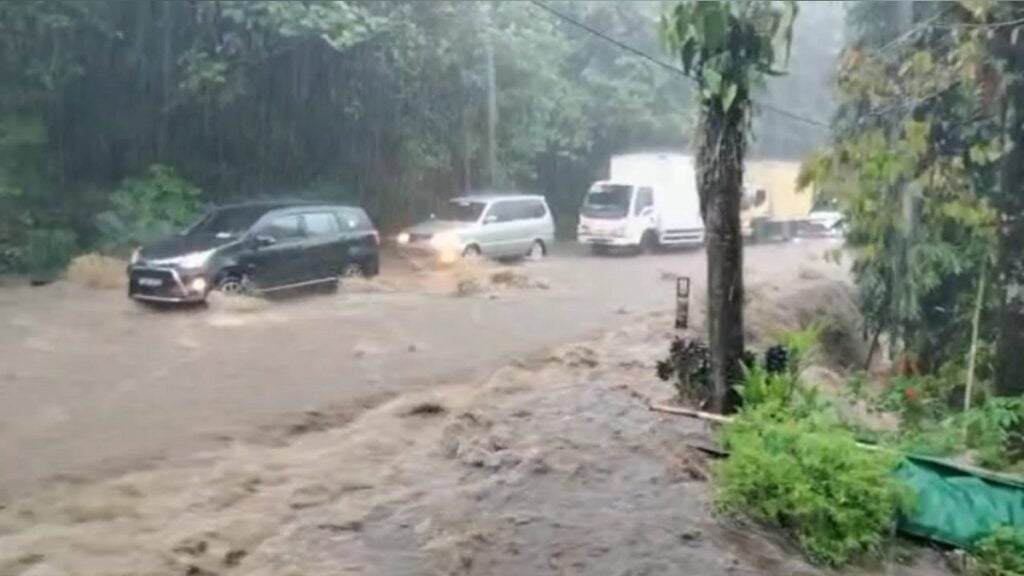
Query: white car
[
  {"x": 492, "y": 225},
  {"x": 825, "y": 223}
]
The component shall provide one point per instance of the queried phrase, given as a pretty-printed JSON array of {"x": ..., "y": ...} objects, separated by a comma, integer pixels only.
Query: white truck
[{"x": 648, "y": 200}]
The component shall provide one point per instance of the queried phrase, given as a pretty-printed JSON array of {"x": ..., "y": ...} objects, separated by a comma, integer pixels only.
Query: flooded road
[{"x": 92, "y": 384}]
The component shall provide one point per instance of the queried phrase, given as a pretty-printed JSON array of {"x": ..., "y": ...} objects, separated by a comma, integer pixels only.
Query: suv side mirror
[{"x": 262, "y": 241}]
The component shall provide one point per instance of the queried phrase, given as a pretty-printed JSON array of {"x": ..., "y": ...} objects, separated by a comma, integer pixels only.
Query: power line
[{"x": 666, "y": 65}]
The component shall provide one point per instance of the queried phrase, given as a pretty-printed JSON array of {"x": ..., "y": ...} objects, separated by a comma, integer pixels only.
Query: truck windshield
[
  {"x": 461, "y": 211},
  {"x": 607, "y": 201}
]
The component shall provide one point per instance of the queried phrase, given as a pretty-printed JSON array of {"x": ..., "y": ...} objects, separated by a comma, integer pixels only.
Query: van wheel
[
  {"x": 537, "y": 251},
  {"x": 233, "y": 285},
  {"x": 471, "y": 252}
]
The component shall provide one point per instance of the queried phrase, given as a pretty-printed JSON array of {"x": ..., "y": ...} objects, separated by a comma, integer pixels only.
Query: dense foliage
[
  {"x": 1001, "y": 554},
  {"x": 808, "y": 476}
]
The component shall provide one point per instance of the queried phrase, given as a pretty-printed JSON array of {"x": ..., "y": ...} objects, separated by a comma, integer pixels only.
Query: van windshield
[
  {"x": 607, "y": 201},
  {"x": 461, "y": 211}
]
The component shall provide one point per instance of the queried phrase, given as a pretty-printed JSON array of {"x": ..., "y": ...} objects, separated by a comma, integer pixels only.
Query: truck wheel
[{"x": 649, "y": 242}]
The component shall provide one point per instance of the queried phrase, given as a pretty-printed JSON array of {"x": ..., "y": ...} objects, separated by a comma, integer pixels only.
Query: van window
[
  {"x": 504, "y": 211},
  {"x": 321, "y": 224},
  {"x": 534, "y": 209},
  {"x": 282, "y": 228},
  {"x": 644, "y": 199}
]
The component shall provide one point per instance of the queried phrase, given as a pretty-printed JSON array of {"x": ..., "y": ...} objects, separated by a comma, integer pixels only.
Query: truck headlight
[{"x": 403, "y": 238}]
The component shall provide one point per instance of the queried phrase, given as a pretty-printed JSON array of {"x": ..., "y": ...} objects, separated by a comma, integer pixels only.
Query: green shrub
[
  {"x": 145, "y": 208},
  {"x": 994, "y": 430},
  {"x": 688, "y": 366},
  {"x": 809, "y": 476},
  {"x": 48, "y": 251},
  {"x": 1001, "y": 553}
]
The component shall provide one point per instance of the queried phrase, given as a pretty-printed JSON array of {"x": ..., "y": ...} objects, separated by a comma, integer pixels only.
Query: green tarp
[{"x": 958, "y": 505}]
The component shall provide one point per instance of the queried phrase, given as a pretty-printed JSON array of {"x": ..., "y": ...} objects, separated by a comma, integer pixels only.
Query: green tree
[{"x": 728, "y": 47}]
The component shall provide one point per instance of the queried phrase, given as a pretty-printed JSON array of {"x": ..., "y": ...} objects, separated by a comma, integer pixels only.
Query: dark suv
[{"x": 256, "y": 248}]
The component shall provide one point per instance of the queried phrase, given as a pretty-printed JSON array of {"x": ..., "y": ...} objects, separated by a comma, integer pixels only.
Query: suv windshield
[
  {"x": 461, "y": 211},
  {"x": 607, "y": 201},
  {"x": 227, "y": 222}
]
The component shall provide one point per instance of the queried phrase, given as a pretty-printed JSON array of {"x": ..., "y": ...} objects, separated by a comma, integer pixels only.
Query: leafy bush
[
  {"x": 148, "y": 207},
  {"x": 47, "y": 251},
  {"x": 809, "y": 476},
  {"x": 688, "y": 365},
  {"x": 995, "y": 431},
  {"x": 776, "y": 380},
  {"x": 1001, "y": 553},
  {"x": 920, "y": 399}
]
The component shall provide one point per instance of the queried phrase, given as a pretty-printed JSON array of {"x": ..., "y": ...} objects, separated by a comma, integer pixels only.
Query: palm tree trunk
[{"x": 720, "y": 151}]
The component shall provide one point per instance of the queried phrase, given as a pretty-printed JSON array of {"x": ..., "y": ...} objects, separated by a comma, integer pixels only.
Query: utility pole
[{"x": 492, "y": 104}]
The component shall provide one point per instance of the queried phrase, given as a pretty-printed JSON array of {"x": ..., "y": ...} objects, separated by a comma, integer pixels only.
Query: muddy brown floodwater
[
  {"x": 501, "y": 430},
  {"x": 93, "y": 384}
]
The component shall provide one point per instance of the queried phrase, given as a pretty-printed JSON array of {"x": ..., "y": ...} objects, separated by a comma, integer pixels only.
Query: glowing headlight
[
  {"x": 136, "y": 254},
  {"x": 194, "y": 260},
  {"x": 403, "y": 238},
  {"x": 446, "y": 241}
]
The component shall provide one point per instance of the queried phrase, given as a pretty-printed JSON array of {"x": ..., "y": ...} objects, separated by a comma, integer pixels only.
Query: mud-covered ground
[{"x": 552, "y": 464}]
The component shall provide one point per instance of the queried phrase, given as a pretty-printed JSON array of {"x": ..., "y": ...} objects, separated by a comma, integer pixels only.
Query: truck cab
[{"x": 649, "y": 200}]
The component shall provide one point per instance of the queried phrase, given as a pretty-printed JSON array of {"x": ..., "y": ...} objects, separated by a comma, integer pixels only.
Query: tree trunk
[
  {"x": 720, "y": 151},
  {"x": 1009, "y": 380}
]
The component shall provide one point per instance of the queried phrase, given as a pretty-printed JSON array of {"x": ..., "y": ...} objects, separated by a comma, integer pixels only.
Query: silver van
[{"x": 493, "y": 225}]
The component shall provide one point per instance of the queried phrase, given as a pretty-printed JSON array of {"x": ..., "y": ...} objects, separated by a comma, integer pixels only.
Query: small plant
[
  {"x": 1001, "y": 553},
  {"x": 808, "y": 476},
  {"x": 688, "y": 366},
  {"x": 995, "y": 431},
  {"x": 777, "y": 379}
]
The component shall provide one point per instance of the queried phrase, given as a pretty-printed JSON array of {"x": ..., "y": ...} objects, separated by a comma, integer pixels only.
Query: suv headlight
[{"x": 194, "y": 260}]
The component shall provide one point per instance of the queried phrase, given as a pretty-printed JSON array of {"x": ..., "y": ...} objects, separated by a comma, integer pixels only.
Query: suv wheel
[{"x": 233, "y": 285}]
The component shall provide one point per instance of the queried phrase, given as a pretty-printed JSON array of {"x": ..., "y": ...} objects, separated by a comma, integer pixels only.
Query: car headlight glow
[
  {"x": 403, "y": 238},
  {"x": 194, "y": 260},
  {"x": 446, "y": 241}
]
